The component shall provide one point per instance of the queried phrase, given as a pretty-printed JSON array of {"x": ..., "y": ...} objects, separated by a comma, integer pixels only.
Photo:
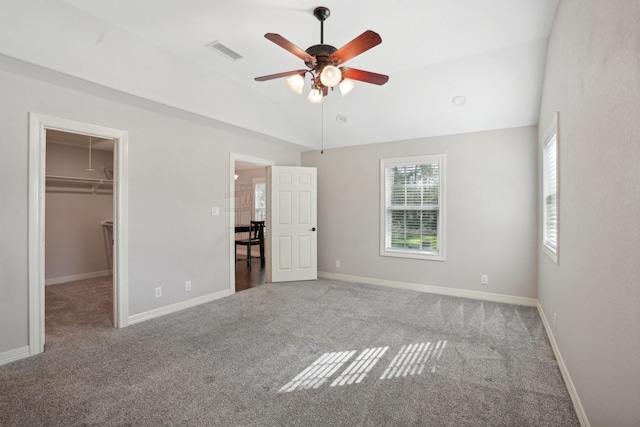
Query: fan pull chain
[{"x": 322, "y": 129}]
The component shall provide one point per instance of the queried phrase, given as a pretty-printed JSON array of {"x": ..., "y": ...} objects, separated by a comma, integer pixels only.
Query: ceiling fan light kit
[
  {"x": 296, "y": 83},
  {"x": 315, "y": 96},
  {"x": 346, "y": 85},
  {"x": 324, "y": 63},
  {"x": 330, "y": 76}
]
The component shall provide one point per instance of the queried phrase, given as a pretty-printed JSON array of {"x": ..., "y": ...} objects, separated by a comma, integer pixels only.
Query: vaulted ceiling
[{"x": 491, "y": 52}]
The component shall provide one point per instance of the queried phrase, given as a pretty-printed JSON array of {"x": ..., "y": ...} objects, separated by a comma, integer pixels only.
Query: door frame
[
  {"x": 38, "y": 124},
  {"x": 231, "y": 214}
]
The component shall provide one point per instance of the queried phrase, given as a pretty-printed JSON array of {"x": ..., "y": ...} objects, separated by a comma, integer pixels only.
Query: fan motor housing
[{"x": 321, "y": 53}]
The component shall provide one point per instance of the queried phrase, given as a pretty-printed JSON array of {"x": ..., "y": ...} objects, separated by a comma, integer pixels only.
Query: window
[
  {"x": 550, "y": 192},
  {"x": 260, "y": 199},
  {"x": 412, "y": 217}
]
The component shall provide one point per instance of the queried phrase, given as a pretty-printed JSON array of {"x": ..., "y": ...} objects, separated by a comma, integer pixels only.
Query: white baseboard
[
  {"x": 162, "y": 311},
  {"x": 15, "y": 354},
  {"x": 485, "y": 296},
  {"x": 582, "y": 416},
  {"x": 73, "y": 278}
]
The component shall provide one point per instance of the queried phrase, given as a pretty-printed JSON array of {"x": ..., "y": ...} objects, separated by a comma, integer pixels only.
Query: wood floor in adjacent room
[{"x": 246, "y": 279}]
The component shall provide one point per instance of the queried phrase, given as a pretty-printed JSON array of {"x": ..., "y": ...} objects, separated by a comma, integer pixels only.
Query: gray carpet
[{"x": 299, "y": 354}]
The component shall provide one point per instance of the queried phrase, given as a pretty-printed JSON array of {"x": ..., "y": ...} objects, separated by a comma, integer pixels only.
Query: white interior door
[{"x": 292, "y": 242}]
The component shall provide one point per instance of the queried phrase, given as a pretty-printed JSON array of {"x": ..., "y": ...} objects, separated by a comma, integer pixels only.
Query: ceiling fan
[{"x": 324, "y": 62}]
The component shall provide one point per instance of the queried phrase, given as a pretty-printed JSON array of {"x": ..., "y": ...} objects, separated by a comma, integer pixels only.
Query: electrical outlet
[
  {"x": 337, "y": 263},
  {"x": 484, "y": 279},
  {"x": 187, "y": 285},
  {"x": 158, "y": 292}
]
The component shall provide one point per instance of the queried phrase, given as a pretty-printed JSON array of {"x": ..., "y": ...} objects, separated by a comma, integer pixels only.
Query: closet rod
[
  {"x": 55, "y": 179},
  {"x": 57, "y": 183}
]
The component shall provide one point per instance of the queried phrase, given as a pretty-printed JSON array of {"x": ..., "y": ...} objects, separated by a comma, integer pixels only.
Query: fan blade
[
  {"x": 364, "y": 76},
  {"x": 279, "y": 75},
  {"x": 355, "y": 47},
  {"x": 287, "y": 45}
]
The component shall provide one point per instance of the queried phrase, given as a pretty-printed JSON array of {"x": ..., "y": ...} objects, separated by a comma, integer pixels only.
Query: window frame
[
  {"x": 438, "y": 255},
  {"x": 550, "y": 137}
]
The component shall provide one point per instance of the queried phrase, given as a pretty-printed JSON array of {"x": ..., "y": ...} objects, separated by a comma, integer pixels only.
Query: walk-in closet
[{"x": 78, "y": 232}]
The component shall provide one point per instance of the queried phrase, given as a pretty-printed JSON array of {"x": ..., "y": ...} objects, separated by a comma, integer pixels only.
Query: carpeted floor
[{"x": 317, "y": 353}]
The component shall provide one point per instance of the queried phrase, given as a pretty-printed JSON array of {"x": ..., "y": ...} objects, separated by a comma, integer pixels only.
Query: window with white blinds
[
  {"x": 412, "y": 216},
  {"x": 550, "y": 192}
]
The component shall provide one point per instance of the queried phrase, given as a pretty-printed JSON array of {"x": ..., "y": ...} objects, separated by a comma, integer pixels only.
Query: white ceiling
[{"x": 492, "y": 52}]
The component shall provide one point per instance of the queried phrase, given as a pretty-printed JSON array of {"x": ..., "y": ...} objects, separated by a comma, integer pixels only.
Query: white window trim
[
  {"x": 552, "y": 130},
  {"x": 407, "y": 253}
]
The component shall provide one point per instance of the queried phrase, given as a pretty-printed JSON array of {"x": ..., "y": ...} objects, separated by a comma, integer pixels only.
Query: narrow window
[
  {"x": 550, "y": 192},
  {"x": 412, "y": 217},
  {"x": 260, "y": 200}
]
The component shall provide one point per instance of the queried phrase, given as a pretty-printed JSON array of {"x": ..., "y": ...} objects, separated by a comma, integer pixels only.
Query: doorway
[
  {"x": 78, "y": 233},
  {"x": 248, "y": 203},
  {"x": 39, "y": 127}
]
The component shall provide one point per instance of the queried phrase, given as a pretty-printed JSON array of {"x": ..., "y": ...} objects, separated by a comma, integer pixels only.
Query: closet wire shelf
[{"x": 71, "y": 184}]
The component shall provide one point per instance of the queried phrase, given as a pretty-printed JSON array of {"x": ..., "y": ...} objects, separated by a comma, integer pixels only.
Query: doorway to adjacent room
[{"x": 247, "y": 204}]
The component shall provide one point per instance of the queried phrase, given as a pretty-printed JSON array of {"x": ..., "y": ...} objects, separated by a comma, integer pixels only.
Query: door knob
[{"x": 313, "y": 229}]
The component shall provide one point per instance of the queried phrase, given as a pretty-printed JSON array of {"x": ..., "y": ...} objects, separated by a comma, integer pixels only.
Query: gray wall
[
  {"x": 593, "y": 81},
  {"x": 74, "y": 237},
  {"x": 491, "y": 212},
  {"x": 178, "y": 170}
]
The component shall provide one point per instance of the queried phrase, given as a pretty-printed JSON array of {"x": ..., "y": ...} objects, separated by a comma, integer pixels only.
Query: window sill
[{"x": 413, "y": 255}]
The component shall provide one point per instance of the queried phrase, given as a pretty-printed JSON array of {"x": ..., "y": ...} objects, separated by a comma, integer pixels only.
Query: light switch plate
[{"x": 215, "y": 211}]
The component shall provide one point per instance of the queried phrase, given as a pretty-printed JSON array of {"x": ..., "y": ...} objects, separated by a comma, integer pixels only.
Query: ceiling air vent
[{"x": 224, "y": 50}]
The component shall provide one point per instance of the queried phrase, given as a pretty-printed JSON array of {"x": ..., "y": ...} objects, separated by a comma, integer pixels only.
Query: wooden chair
[{"x": 256, "y": 237}]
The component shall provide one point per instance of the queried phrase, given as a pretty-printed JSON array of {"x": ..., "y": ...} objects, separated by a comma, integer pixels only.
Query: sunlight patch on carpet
[
  {"x": 318, "y": 372},
  {"x": 411, "y": 359},
  {"x": 360, "y": 367}
]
